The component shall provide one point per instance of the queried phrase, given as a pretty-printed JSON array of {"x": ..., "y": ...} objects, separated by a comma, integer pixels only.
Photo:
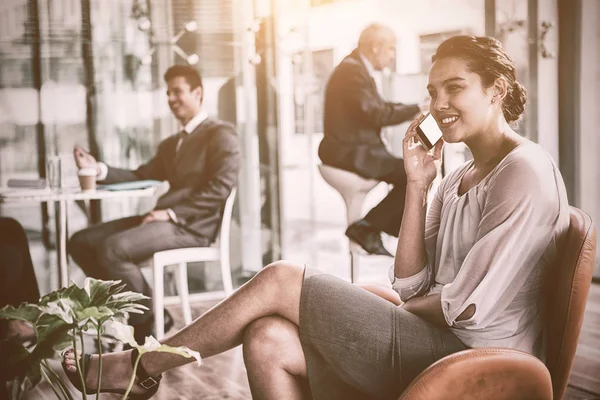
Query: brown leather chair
[{"x": 506, "y": 374}]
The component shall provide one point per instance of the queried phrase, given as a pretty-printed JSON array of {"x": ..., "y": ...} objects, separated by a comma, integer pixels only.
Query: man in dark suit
[
  {"x": 201, "y": 164},
  {"x": 355, "y": 112}
]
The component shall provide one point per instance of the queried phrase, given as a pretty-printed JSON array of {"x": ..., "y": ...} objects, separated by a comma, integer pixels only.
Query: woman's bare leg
[
  {"x": 275, "y": 360},
  {"x": 274, "y": 291}
]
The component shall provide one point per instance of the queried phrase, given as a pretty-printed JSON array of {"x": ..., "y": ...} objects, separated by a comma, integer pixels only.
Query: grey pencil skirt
[{"x": 359, "y": 346}]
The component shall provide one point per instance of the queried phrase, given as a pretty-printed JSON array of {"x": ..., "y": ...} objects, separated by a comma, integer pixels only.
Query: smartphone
[{"x": 429, "y": 132}]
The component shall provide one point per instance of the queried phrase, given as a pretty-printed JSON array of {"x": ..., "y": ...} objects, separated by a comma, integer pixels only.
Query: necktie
[{"x": 180, "y": 137}]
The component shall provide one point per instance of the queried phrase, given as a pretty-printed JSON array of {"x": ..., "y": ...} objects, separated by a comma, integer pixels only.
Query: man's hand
[
  {"x": 83, "y": 159},
  {"x": 156, "y": 215}
]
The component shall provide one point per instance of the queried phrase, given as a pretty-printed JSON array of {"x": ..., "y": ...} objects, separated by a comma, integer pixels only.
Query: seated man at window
[
  {"x": 354, "y": 115},
  {"x": 201, "y": 164}
]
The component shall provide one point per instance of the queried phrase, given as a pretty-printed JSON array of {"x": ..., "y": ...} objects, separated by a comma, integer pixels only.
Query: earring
[{"x": 493, "y": 100}]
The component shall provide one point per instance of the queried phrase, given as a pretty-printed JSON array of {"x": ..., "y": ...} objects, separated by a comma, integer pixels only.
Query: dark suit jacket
[
  {"x": 201, "y": 175},
  {"x": 354, "y": 116}
]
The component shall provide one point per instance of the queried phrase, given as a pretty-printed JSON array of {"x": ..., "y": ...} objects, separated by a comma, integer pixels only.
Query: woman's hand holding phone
[{"x": 421, "y": 166}]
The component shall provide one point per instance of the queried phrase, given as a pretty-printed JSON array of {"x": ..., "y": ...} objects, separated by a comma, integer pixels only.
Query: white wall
[{"x": 338, "y": 25}]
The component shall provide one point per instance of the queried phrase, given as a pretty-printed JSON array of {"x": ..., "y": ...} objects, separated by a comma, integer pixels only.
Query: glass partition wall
[
  {"x": 579, "y": 88},
  {"x": 589, "y": 119},
  {"x": 21, "y": 133},
  {"x": 43, "y": 97},
  {"x": 89, "y": 72},
  {"x": 312, "y": 38},
  {"x": 313, "y": 214}
]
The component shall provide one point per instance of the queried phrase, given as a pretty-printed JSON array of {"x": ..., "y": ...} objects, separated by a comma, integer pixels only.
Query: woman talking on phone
[{"x": 469, "y": 273}]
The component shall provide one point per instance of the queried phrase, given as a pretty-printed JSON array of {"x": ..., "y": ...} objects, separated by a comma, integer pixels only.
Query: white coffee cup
[{"x": 87, "y": 178}]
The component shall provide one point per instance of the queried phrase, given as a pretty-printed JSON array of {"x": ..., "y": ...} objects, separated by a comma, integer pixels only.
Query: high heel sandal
[{"x": 145, "y": 381}]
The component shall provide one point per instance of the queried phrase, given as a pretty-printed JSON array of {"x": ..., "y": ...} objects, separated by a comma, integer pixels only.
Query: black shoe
[
  {"x": 146, "y": 328},
  {"x": 367, "y": 237}
]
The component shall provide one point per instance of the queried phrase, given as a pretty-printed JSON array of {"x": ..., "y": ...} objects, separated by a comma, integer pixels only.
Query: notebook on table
[
  {"x": 26, "y": 183},
  {"x": 132, "y": 185}
]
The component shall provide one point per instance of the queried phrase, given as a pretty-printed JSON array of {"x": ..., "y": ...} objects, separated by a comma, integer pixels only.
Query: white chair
[
  {"x": 354, "y": 189},
  {"x": 181, "y": 257}
]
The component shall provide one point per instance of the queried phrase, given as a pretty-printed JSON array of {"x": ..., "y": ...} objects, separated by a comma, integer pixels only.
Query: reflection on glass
[
  {"x": 19, "y": 112},
  {"x": 511, "y": 30}
]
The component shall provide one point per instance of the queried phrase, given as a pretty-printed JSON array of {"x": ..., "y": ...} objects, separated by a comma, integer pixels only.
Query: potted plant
[{"x": 60, "y": 320}]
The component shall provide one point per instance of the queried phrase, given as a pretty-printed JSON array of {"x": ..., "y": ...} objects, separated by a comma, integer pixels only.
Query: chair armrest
[{"x": 490, "y": 374}]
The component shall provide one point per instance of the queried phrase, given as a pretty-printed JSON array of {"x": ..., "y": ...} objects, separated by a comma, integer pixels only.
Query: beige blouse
[{"x": 492, "y": 247}]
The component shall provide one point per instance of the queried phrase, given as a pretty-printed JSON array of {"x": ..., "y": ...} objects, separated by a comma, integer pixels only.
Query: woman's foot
[{"x": 116, "y": 372}]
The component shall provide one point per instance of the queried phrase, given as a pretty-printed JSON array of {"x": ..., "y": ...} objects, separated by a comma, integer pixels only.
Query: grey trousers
[{"x": 113, "y": 250}]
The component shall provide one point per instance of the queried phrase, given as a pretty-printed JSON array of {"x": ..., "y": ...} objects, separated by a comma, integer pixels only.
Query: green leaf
[
  {"x": 64, "y": 309},
  {"x": 57, "y": 331},
  {"x": 78, "y": 296},
  {"x": 62, "y": 342},
  {"x": 57, "y": 294},
  {"x": 135, "y": 308},
  {"x": 95, "y": 313},
  {"x": 127, "y": 297},
  {"x": 100, "y": 291},
  {"x": 122, "y": 332},
  {"x": 153, "y": 345},
  {"x": 25, "y": 312},
  {"x": 66, "y": 312}
]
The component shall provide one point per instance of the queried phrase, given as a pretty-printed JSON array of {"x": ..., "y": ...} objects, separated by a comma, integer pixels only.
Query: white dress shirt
[
  {"x": 372, "y": 72},
  {"x": 192, "y": 125}
]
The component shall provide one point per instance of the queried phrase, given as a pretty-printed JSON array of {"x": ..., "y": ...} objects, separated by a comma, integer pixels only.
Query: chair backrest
[
  {"x": 567, "y": 295},
  {"x": 225, "y": 228}
]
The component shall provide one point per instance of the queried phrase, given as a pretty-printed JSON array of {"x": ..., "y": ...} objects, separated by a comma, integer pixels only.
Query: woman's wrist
[
  {"x": 418, "y": 185},
  {"x": 417, "y": 190}
]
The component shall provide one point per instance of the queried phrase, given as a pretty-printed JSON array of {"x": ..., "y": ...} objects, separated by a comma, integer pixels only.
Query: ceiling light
[
  {"x": 193, "y": 59},
  {"x": 191, "y": 26}
]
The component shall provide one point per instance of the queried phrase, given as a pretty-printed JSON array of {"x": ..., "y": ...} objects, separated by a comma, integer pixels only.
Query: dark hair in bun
[{"x": 486, "y": 57}]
